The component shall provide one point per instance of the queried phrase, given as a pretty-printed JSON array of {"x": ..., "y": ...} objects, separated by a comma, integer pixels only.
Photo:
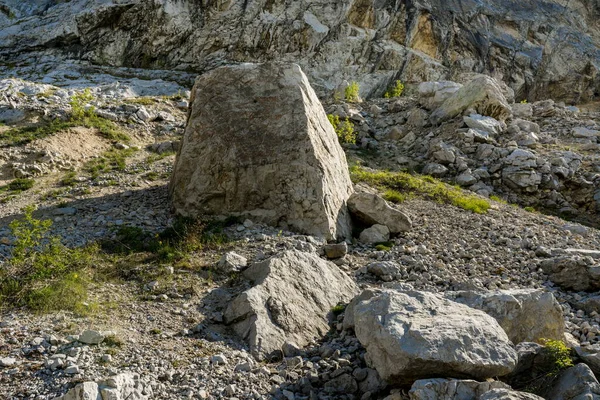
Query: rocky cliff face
[{"x": 542, "y": 49}]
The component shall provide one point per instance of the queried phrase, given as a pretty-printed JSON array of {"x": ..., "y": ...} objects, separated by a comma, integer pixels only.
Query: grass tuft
[{"x": 398, "y": 185}]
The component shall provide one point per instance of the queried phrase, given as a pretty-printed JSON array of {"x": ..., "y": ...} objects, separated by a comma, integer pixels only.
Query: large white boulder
[
  {"x": 518, "y": 312},
  {"x": 482, "y": 95},
  {"x": 411, "y": 335},
  {"x": 258, "y": 145},
  {"x": 293, "y": 294}
]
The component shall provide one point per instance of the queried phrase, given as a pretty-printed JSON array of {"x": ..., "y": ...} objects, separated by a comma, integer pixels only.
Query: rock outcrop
[
  {"x": 293, "y": 294},
  {"x": 577, "y": 382},
  {"x": 121, "y": 386},
  {"x": 258, "y": 144},
  {"x": 518, "y": 312},
  {"x": 542, "y": 49},
  {"x": 578, "y": 273},
  {"x": 415, "y": 335},
  {"x": 483, "y": 95},
  {"x": 452, "y": 389}
]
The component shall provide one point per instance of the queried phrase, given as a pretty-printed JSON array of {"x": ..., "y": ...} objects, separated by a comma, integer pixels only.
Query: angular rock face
[
  {"x": 452, "y": 389},
  {"x": 483, "y": 95},
  {"x": 258, "y": 144},
  {"x": 122, "y": 386},
  {"x": 415, "y": 335},
  {"x": 290, "y": 301},
  {"x": 371, "y": 209},
  {"x": 518, "y": 312},
  {"x": 573, "y": 272},
  {"x": 334, "y": 40},
  {"x": 577, "y": 382}
]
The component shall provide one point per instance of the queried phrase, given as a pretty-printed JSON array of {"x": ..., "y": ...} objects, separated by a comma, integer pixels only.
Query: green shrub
[
  {"x": 529, "y": 209},
  {"x": 352, "y": 92},
  {"x": 395, "y": 91},
  {"x": 559, "y": 355},
  {"x": 498, "y": 199},
  {"x": 403, "y": 184},
  {"x": 173, "y": 244},
  {"x": 41, "y": 273},
  {"x": 555, "y": 357},
  {"x": 20, "y": 184},
  {"x": 343, "y": 128}
]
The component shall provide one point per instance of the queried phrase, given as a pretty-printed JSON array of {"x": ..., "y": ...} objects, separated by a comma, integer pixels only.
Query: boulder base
[{"x": 258, "y": 145}]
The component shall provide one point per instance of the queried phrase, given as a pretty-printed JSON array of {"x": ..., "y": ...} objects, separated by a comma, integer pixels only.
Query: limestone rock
[
  {"x": 371, "y": 209},
  {"x": 482, "y": 94},
  {"x": 591, "y": 356},
  {"x": 274, "y": 159},
  {"x": 485, "y": 124},
  {"x": 83, "y": 391},
  {"x": 577, "y": 382},
  {"x": 292, "y": 295},
  {"x": 585, "y": 133},
  {"x": 433, "y": 94},
  {"x": 452, "y": 389},
  {"x": 518, "y": 312},
  {"x": 232, "y": 262},
  {"x": 508, "y": 394},
  {"x": 375, "y": 234},
  {"x": 522, "y": 110},
  {"x": 117, "y": 387},
  {"x": 573, "y": 272},
  {"x": 412, "y": 335},
  {"x": 91, "y": 337},
  {"x": 337, "y": 250}
]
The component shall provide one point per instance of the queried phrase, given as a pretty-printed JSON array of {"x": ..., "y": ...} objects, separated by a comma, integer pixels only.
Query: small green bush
[
  {"x": 556, "y": 357},
  {"x": 395, "y": 91},
  {"x": 42, "y": 274},
  {"x": 20, "y": 184},
  {"x": 559, "y": 354},
  {"x": 352, "y": 92},
  {"x": 343, "y": 128}
]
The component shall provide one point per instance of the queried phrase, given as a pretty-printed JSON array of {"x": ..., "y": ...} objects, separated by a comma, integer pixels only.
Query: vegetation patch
[
  {"x": 556, "y": 358},
  {"x": 152, "y": 158},
  {"x": 42, "y": 274},
  {"x": 111, "y": 160},
  {"x": 343, "y": 128},
  {"x": 18, "y": 185},
  {"x": 395, "y": 91},
  {"x": 174, "y": 244},
  {"x": 352, "y": 92},
  {"x": 398, "y": 185},
  {"x": 81, "y": 115}
]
